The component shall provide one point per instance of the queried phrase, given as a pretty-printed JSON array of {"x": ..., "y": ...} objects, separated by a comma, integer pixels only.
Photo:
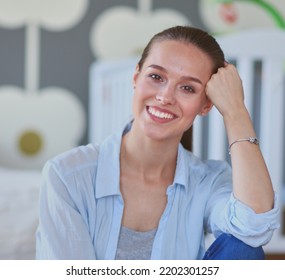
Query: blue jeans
[{"x": 227, "y": 247}]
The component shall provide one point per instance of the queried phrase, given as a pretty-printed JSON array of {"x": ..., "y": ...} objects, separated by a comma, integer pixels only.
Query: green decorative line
[{"x": 278, "y": 18}]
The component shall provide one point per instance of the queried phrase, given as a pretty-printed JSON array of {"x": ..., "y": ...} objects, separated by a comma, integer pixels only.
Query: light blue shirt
[{"x": 81, "y": 207}]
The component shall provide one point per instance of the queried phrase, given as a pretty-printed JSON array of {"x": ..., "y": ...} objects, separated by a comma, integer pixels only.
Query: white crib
[{"x": 260, "y": 58}]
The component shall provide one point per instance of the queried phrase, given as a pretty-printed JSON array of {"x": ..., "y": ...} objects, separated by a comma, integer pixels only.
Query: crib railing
[
  {"x": 260, "y": 58},
  {"x": 110, "y": 105}
]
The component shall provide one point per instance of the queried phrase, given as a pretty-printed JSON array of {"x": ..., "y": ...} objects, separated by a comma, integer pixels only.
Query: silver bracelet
[{"x": 252, "y": 140}]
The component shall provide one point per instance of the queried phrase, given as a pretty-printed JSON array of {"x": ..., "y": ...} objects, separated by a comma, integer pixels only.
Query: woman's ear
[
  {"x": 206, "y": 107},
  {"x": 135, "y": 76}
]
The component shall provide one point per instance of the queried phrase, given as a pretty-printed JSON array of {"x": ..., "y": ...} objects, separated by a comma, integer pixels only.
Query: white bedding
[{"x": 19, "y": 192}]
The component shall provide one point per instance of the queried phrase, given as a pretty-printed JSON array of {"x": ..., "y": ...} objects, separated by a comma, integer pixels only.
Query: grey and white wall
[{"x": 48, "y": 46}]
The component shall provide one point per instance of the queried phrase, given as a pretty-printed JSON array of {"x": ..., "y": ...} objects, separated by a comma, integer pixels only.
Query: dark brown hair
[{"x": 193, "y": 36}]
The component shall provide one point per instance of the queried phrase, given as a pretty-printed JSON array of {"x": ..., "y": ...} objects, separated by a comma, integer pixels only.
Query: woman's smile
[{"x": 160, "y": 115}]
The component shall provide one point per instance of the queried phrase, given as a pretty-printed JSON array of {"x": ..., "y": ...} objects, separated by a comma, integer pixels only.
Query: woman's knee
[{"x": 228, "y": 247}]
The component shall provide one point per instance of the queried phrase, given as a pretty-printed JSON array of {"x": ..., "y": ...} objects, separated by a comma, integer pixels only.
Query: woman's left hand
[{"x": 225, "y": 90}]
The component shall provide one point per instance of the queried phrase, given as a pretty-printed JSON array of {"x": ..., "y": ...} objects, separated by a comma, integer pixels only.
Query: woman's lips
[{"x": 159, "y": 113}]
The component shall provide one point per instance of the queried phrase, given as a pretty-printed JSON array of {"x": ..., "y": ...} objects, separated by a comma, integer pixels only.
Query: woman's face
[{"x": 170, "y": 89}]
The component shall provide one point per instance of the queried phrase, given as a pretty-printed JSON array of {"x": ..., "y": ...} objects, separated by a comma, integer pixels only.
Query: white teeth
[{"x": 159, "y": 114}]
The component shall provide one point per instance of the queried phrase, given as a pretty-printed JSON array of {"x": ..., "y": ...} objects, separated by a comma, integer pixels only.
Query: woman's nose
[{"x": 166, "y": 96}]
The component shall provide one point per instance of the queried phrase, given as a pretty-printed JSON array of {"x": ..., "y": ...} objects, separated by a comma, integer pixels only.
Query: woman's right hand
[{"x": 225, "y": 90}]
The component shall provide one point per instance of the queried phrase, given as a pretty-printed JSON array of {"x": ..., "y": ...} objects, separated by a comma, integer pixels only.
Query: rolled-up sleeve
[
  {"x": 241, "y": 221},
  {"x": 226, "y": 214},
  {"x": 252, "y": 228}
]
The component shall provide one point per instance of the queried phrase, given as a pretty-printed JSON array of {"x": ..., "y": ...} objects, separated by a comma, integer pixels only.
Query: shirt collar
[
  {"x": 108, "y": 169},
  {"x": 181, "y": 171}
]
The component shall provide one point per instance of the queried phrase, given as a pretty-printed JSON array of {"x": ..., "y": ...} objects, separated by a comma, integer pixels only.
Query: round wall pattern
[
  {"x": 130, "y": 29},
  {"x": 36, "y": 124},
  {"x": 36, "y": 127},
  {"x": 51, "y": 14},
  {"x": 30, "y": 143}
]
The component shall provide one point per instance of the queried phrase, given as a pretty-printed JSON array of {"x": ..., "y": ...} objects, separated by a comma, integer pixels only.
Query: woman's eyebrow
[{"x": 158, "y": 67}]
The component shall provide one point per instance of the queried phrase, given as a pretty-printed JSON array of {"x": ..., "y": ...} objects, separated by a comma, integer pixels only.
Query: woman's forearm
[{"x": 251, "y": 180}]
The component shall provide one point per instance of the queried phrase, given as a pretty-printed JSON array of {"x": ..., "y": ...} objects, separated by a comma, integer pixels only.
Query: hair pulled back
[{"x": 188, "y": 35}]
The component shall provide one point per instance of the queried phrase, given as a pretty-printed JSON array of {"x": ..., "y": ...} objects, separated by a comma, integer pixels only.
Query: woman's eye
[
  {"x": 188, "y": 88},
  {"x": 155, "y": 77}
]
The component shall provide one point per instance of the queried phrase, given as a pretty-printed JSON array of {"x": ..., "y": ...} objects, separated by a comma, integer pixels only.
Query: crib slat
[
  {"x": 198, "y": 137},
  {"x": 245, "y": 69},
  {"x": 217, "y": 142},
  {"x": 272, "y": 102}
]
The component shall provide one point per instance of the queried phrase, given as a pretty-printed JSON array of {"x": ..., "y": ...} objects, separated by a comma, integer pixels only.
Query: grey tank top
[{"x": 134, "y": 245}]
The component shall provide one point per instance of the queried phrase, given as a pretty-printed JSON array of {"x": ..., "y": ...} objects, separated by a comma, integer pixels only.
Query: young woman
[{"x": 140, "y": 194}]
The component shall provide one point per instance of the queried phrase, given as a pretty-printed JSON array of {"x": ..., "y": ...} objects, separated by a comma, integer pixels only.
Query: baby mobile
[
  {"x": 223, "y": 16},
  {"x": 229, "y": 11}
]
